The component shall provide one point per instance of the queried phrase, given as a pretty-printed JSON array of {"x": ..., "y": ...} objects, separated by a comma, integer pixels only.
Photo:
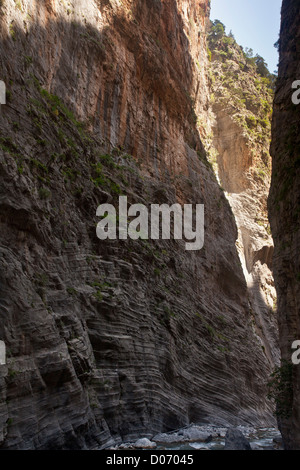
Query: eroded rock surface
[
  {"x": 241, "y": 112},
  {"x": 109, "y": 341},
  {"x": 284, "y": 217}
]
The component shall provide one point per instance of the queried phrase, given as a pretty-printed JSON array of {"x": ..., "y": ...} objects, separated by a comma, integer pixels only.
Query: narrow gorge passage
[
  {"x": 109, "y": 340},
  {"x": 238, "y": 148}
]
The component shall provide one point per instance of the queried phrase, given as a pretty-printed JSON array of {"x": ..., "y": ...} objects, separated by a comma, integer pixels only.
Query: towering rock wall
[
  {"x": 108, "y": 340},
  {"x": 284, "y": 216},
  {"x": 238, "y": 147}
]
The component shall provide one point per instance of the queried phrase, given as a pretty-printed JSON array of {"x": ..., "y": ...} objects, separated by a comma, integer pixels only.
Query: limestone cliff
[
  {"x": 238, "y": 148},
  {"x": 109, "y": 340},
  {"x": 284, "y": 218}
]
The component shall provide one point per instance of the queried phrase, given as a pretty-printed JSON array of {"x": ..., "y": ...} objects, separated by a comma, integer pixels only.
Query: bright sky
[{"x": 254, "y": 23}]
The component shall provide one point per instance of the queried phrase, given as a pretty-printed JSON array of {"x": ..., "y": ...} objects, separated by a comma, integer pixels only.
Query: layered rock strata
[{"x": 110, "y": 340}]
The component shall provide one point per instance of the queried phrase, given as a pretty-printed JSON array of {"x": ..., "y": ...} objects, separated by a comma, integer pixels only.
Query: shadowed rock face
[
  {"x": 110, "y": 340},
  {"x": 284, "y": 207}
]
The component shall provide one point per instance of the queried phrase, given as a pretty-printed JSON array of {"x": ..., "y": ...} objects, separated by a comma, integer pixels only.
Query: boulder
[
  {"x": 164, "y": 438},
  {"x": 195, "y": 434},
  {"x": 144, "y": 443},
  {"x": 235, "y": 440},
  {"x": 192, "y": 434}
]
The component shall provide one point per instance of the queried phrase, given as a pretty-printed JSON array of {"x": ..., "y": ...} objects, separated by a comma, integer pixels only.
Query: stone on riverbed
[
  {"x": 235, "y": 440},
  {"x": 144, "y": 443},
  {"x": 195, "y": 434},
  {"x": 164, "y": 438},
  {"x": 192, "y": 434}
]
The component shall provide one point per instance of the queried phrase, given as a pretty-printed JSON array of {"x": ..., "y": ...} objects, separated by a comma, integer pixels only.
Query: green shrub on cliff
[
  {"x": 217, "y": 30},
  {"x": 226, "y": 45},
  {"x": 241, "y": 85}
]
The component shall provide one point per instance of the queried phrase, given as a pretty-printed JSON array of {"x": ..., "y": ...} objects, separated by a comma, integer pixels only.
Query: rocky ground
[{"x": 210, "y": 437}]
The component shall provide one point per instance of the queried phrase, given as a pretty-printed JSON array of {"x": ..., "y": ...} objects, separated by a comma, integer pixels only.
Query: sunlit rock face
[
  {"x": 284, "y": 212},
  {"x": 241, "y": 112},
  {"x": 110, "y": 340}
]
